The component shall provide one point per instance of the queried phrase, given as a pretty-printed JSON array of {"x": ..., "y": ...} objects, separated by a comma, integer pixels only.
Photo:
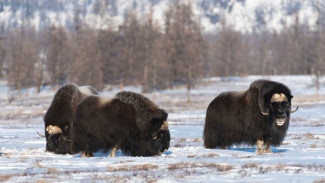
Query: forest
[{"x": 155, "y": 55}]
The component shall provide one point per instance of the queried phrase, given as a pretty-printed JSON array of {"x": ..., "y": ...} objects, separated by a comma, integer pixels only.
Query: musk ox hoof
[
  {"x": 87, "y": 154},
  {"x": 268, "y": 151},
  {"x": 260, "y": 151}
]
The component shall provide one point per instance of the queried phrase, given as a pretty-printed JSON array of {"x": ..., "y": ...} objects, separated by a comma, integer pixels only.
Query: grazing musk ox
[
  {"x": 61, "y": 114},
  {"x": 129, "y": 121},
  {"x": 258, "y": 115}
]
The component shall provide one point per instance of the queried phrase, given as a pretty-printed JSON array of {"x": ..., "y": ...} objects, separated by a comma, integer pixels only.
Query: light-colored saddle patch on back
[
  {"x": 85, "y": 90},
  {"x": 279, "y": 98},
  {"x": 104, "y": 100},
  {"x": 53, "y": 129}
]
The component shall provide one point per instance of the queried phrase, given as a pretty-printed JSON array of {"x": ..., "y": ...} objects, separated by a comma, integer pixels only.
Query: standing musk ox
[
  {"x": 258, "y": 115},
  {"x": 129, "y": 121},
  {"x": 61, "y": 114}
]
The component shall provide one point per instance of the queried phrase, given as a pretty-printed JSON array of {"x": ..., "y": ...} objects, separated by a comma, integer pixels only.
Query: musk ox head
[
  {"x": 161, "y": 138},
  {"x": 56, "y": 141},
  {"x": 275, "y": 102}
]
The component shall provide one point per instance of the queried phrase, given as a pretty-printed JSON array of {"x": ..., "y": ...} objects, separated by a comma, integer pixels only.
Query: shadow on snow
[
  {"x": 245, "y": 149},
  {"x": 118, "y": 154}
]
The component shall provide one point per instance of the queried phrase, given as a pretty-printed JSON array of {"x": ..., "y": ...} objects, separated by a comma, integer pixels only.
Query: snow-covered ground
[{"x": 300, "y": 158}]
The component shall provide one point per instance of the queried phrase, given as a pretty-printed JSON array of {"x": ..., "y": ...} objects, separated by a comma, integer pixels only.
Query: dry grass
[
  {"x": 40, "y": 181},
  {"x": 51, "y": 171},
  {"x": 218, "y": 167},
  {"x": 192, "y": 156},
  {"x": 189, "y": 165},
  {"x": 211, "y": 155},
  {"x": 310, "y": 136},
  {"x": 144, "y": 167},
  {"x": 319, "y": 181},
  {"x": 279, "y": 167},
  {"x": 182, "y": 165},
  {"x": 38, "y": 165},
  {"x": 313, "y": 146},
  {"x": 5, "y": 177},
  {"x": 314, "y": 167},
  {"x": 198, "y": 140},
  {"x": 125, "y": 161},
  {"x": 182, "y": 140},
  {"x": 250, "y": 165},
  {"x": 308, "y": 98}
]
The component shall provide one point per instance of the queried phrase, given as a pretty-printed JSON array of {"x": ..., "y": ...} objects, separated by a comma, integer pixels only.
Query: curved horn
[
  {"x": 294, "y": 110},
  {"x": 265, "y": 113},
  {"x": 163, "y": 127},
  {"x": 65, "y": 139},
  {"x": 43, "y": 136}
]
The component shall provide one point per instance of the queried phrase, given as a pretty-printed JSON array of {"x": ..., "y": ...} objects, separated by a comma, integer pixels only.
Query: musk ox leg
[
  {"x": 260, "y": 149},
  {"x": 113, "y": 152},
  {"x": 87, "y": 154},
  {"x": 267, "y": 147}
]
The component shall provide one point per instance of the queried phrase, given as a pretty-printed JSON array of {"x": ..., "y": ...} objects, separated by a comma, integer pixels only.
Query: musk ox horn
[
  {"x": 164, "y": 127},
  {"x": 265, "y": 113},
  {"x": 53, "y": 129},
  {"x": 294, "y": 110},
  {"x": 43, "y": 136},
  {"x": 66, "y": 139}
]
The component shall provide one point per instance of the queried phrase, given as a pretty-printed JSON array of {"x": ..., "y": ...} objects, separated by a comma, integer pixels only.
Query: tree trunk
[
  {"x": 189, "y": 84},
  {"x": 154, "y": 78},
  {"x": 145, "y": 78}
]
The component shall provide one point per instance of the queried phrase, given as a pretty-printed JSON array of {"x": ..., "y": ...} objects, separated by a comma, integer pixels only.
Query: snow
[{"x": 300, "y": 158}]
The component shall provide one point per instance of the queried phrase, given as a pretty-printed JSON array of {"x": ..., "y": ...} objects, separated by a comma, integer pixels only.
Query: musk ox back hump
[
  {"x": 62, "y": 109},
  {"x": 146, "y": 110}
]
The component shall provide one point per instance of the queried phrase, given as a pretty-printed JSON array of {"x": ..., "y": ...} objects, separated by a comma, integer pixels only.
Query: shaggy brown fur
[
  {"x": 61, "y": 114},
  {"x": 127, "y": 121},
  {"x": 236, "y": 117}
]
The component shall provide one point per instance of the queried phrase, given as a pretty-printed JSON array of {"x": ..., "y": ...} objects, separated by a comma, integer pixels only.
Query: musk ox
[
  {"x": 259, "y": 115},
  {"x": 129, "y": 122},
  {"x": 61, "y": 114}
]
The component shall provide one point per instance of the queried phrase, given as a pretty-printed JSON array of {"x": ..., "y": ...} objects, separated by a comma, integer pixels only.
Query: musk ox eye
[{"x": 275, "y": 104}]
